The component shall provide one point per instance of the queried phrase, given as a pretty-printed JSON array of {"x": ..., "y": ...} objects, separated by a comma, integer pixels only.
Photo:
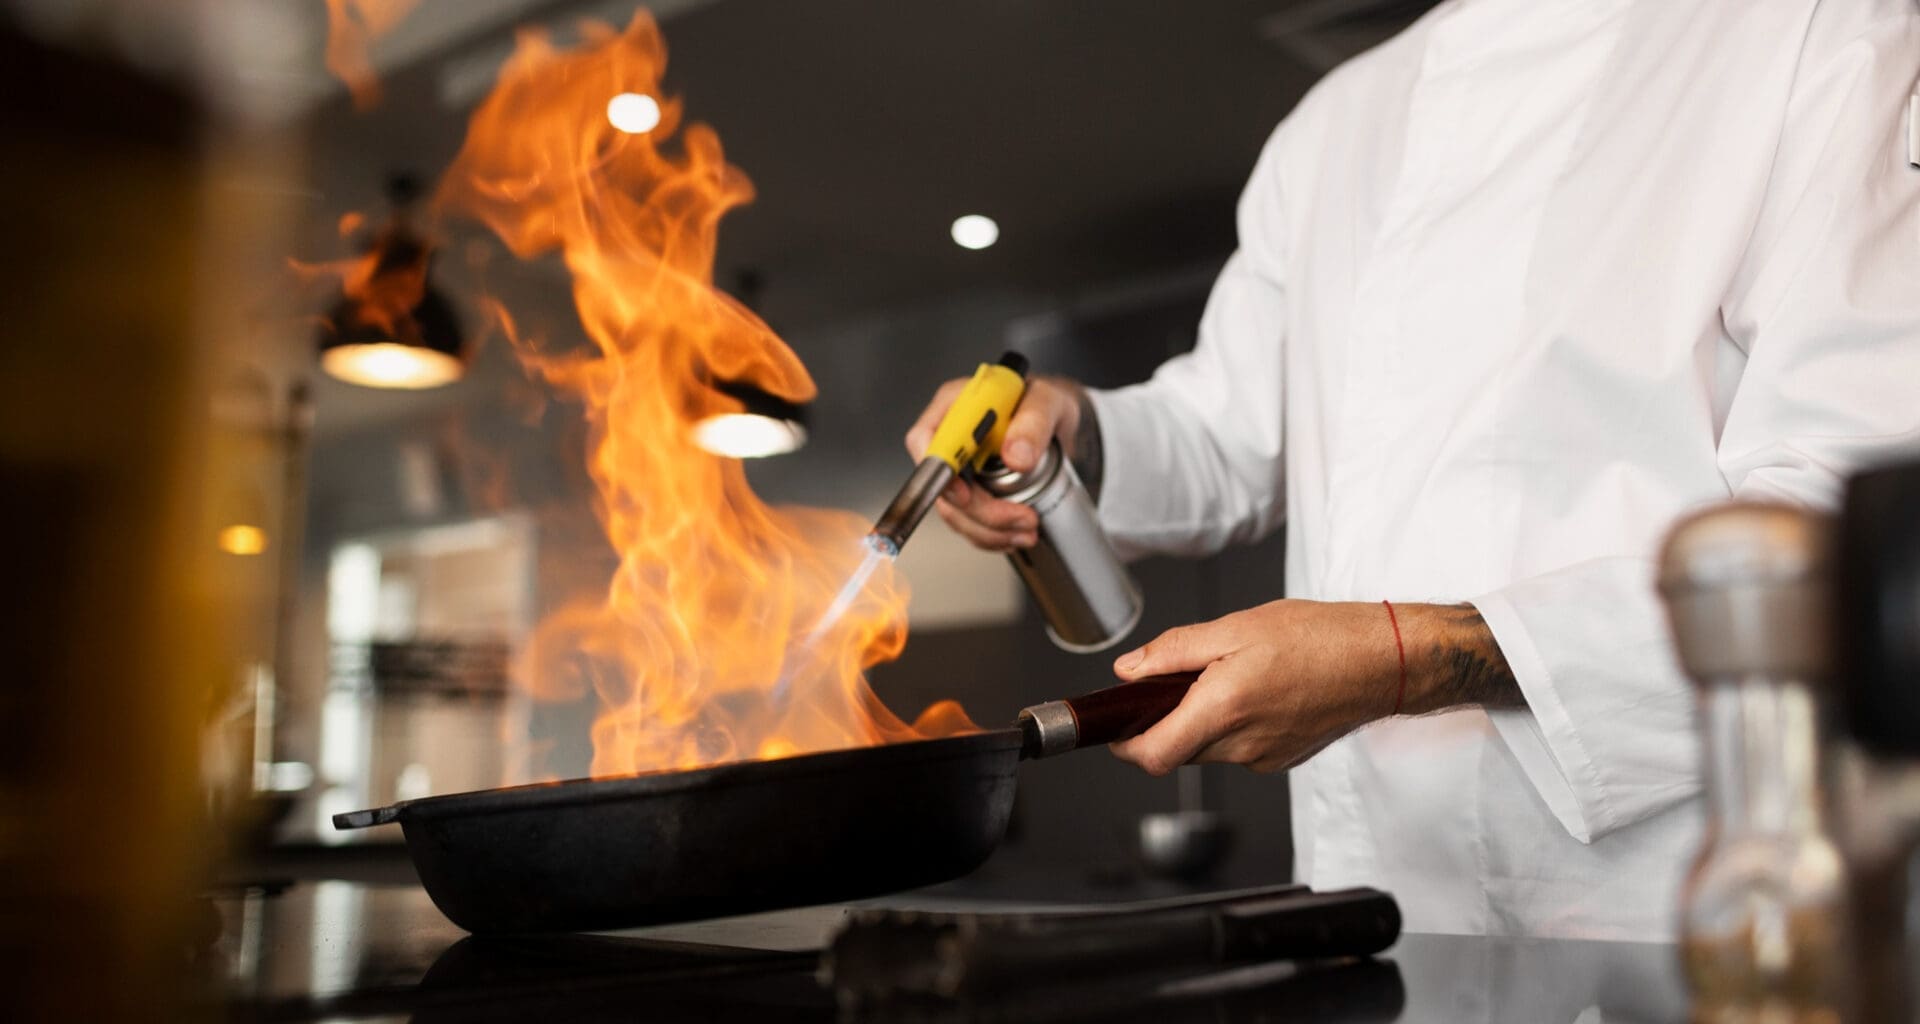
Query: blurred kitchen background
[{"x": 361, "y": 567}]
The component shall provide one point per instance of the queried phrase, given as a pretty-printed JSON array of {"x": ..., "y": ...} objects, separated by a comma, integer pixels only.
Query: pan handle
[{"x": 1101, "y": 717}]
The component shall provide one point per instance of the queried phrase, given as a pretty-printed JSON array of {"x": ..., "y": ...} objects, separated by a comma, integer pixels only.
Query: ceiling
[{"x": 1108, "y": 139}]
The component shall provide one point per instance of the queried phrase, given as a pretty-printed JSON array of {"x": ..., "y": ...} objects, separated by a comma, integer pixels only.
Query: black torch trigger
[{"x": 985, "y": 426}]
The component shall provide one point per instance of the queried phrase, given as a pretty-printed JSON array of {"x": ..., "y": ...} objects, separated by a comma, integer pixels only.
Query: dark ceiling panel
[
  {"x": 1106, "y": 138},
  {"x": 1109, "y": 139}
]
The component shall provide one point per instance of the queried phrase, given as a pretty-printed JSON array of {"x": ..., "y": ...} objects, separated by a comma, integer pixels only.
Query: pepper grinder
[{"x": 1764, "y": 914}]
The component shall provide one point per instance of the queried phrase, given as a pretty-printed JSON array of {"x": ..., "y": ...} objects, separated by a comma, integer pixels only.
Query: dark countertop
[{"x": 339, "y": 950}]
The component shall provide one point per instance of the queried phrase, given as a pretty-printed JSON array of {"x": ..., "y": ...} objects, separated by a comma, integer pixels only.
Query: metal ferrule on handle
[
  {"x": 1048, "y": 729},
  {"x": 1101, "y": 717}
]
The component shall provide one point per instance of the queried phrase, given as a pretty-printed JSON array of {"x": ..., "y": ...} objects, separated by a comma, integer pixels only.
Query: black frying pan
[{"x": 592, "y": 854}]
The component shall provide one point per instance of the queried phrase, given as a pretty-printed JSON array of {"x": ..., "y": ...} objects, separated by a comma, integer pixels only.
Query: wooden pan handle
[
  {"x": 1127, "y": 710},
  {"x": 1103, "y": 716}
]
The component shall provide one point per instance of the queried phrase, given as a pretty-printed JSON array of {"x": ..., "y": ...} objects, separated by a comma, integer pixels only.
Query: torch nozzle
[{"x": 912, "y": 504}]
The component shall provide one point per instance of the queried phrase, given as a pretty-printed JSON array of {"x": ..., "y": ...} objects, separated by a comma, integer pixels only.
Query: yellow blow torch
[
  {"x": 1084, "y": 592},
  {"x": 966, "y": 438}
]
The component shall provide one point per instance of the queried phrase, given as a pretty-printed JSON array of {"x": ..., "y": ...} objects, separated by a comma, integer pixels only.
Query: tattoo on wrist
[
  {"x": 1467, "y": 666},
  {"x": 1086, "y": 452}
]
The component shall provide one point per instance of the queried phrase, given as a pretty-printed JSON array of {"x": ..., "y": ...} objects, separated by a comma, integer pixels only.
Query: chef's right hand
[{"x": 1049, "y": 409}]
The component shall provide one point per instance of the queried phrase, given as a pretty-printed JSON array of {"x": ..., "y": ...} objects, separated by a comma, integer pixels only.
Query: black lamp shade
[{"x": 418, "y": 347}]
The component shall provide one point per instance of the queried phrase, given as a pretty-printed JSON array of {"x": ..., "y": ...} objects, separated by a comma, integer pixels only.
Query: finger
[
  {"x": 977, "y": 534},
  {"x": 1234, "y": 748},
  {"x": 1196, "y": 725},
  {"x": 998, "y": 513},
  {"x": 991, "y": 520},
  {"x": 1182, "y": 649},
  {"x": 1272, "y": 761},
  {"x": 921, "y": 433},
  {"x": 1032, "y": 427}
]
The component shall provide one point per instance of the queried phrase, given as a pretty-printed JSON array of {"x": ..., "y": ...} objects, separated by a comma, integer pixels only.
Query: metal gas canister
[{"x": 1089, "y": 600}]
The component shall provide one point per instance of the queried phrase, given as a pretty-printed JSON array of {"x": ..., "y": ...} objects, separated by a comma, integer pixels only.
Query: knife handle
[
  {"x": 881, "y": 954},
  {"x": 1103, "y": 716},
  {"x": 1346, "y": 922}
]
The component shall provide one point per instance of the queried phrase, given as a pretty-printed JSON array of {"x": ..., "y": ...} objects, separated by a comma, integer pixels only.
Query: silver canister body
[{"x": 1089, "y": 600}]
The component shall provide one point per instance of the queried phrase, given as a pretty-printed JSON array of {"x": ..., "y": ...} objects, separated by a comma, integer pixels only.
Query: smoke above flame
[{"x": 715, "y": 590}]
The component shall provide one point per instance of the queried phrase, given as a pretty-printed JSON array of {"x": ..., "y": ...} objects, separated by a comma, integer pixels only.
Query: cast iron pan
[{"x": 593, "y": 854}]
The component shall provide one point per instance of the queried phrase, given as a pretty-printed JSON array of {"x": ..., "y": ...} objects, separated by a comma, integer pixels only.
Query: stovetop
[{"x": 351, "y": 951}]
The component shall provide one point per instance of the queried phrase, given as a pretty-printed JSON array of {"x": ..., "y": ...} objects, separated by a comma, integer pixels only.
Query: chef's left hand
[{"x": 1285, "y": 679}]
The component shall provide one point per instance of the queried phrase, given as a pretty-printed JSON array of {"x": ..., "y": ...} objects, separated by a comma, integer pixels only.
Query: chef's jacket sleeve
[
  {"x": 1192, "y": 456},
  {"x": 1825, "y": 312}
]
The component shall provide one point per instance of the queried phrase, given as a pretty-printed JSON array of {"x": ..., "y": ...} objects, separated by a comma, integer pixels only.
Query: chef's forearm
[{"x": 1453, "y": 661}]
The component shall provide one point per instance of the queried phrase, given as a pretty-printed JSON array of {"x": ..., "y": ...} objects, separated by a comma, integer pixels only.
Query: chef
[{"x": 1513, "y": 291}]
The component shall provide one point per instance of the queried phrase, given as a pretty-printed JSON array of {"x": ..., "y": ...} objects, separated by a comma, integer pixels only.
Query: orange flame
[
  {"x": 352, "y": 26},
  {"x": 381, "y": 286},
  {"x": 714, "y": 589}
]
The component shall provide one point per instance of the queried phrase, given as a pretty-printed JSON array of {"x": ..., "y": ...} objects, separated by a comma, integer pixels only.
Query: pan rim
[{"x": 566, "y": 792}]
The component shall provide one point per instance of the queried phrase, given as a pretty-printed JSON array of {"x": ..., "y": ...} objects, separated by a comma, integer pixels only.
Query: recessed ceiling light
[
  {"x": 974, "y": 231},
  {"x": 635, "y": 113}
]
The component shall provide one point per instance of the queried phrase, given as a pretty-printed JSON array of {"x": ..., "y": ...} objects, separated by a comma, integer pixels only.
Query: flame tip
[{"x": 688, "y": 636}]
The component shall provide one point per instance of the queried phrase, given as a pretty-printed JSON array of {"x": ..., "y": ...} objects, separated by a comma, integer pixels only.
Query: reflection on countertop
[{"x": 338, "y": 950}]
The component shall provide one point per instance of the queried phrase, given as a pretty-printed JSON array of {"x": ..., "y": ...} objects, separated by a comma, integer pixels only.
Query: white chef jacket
[{"x": 1514, "y": 291}]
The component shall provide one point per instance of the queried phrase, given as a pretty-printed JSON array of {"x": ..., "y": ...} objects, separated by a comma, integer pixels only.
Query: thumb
[
  {"x": 1183, "y": 649},
  {"x": 1032, "y": 428}
]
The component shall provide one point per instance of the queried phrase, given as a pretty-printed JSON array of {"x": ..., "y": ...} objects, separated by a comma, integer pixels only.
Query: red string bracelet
[{"x": 1398, "y": 645}]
